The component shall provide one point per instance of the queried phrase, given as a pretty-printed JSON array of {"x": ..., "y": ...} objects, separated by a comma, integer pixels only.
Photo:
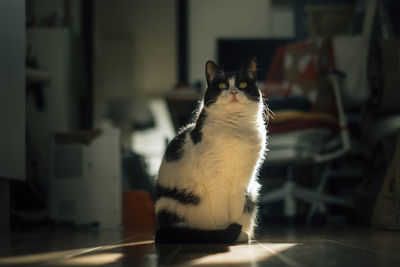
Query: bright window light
[{"x": 151, "y": 143}]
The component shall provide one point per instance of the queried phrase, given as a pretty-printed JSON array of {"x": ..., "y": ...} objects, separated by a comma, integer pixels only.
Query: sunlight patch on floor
[
  {"x": 94, "y": 259},
  {"x": 37, "y": 258},
  {"x": 73, "y": 256},
  {"x": 241, "y": 254}
]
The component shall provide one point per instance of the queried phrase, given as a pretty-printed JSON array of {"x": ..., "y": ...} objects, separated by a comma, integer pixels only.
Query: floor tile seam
[
  {"x": 171, "y": 256},
  {"x": 126, "y": 239},
  {"x": 70, "y": 256},
  {"x": 88, "y": 250},
  {"x": 63, "y": 240},
  {"x": 287, "y": 260},
  {"x": 41, "y": 244}
]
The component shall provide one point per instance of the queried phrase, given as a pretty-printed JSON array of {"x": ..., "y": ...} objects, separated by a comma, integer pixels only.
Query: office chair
[
  {"x": 312, "y": 137},
  {"x": 307, "y": 136}
]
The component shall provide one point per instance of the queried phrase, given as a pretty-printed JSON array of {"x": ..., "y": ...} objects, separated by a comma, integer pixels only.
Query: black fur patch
[
  {"x": 174, "y": 149},
  {"x": 180, "y": 195},
  {"x": 196, "y": 133},
  {"x": 250, "y": 204},
  {"x": 165, "y": 217},
  {"x": 183, "y": 235},
  {"x": 251, "y": 91}
]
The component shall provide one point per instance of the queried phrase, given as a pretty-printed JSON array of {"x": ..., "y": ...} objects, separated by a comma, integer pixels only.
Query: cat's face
[{"x": 231, "y": 89}]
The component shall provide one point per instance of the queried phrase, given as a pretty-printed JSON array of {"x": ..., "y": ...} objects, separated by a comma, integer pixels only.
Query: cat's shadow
[{"x": 178, "y": 254}]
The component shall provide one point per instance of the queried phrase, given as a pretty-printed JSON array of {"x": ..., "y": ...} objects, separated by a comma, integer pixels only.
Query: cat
[{"x": 207, "y": 185}]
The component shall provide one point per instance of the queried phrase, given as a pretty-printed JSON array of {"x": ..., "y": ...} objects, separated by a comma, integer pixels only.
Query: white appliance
[{"x": 85, "y": 181}]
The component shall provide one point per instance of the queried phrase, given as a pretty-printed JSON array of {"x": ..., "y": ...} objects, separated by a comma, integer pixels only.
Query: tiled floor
[{"x": 275, "y": 246}]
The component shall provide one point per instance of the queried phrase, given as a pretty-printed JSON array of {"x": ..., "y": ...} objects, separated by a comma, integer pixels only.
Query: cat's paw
[{"x": 242, "y": 238}]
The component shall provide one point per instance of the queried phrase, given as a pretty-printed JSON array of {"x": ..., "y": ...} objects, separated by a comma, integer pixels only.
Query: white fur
[
  {"x": 231, "y": 82},
  {"x": 220, "y": 168}
]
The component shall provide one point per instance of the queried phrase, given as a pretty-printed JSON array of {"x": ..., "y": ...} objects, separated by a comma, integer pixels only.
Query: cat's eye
[
  {"x": 222, "y": 85},
  {"x": 242, "y": 85}
]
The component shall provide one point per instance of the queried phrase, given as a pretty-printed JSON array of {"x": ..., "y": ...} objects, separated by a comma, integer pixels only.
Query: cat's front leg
[{"x": 248, "y": 217}]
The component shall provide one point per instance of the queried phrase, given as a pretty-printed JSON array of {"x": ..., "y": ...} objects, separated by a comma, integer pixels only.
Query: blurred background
[{"x": 92, "y": 91}]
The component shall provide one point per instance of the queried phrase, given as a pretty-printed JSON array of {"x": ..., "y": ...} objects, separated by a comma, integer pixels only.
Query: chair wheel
[{"x": 318, "y": 218}]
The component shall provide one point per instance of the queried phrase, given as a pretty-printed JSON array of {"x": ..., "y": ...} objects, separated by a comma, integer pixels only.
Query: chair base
[{"x": 290, "y": 192}]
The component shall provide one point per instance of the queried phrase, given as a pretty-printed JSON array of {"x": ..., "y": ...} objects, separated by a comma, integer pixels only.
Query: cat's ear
[
  {"x": 212, "y": 70},
  {"x": 251, "y": 69}
]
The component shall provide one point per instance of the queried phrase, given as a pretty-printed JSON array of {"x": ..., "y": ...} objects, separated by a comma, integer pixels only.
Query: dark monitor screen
[{"x": 234, "y": 53}]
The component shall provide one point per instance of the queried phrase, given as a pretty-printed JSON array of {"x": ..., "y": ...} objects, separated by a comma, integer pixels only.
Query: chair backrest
[
  {"x": 348, "y": 53},
  {"x": 297, "y": 72}
]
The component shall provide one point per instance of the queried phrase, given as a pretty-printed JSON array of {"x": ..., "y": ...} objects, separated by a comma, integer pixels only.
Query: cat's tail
[{"x": 184, "y": 235}]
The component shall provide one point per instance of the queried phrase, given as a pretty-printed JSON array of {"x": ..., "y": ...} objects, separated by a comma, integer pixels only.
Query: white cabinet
[{"x": 85, "y": 181}]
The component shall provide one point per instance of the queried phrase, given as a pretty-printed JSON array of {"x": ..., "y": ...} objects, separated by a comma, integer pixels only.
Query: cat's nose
[{"x": 233, "y": 92}]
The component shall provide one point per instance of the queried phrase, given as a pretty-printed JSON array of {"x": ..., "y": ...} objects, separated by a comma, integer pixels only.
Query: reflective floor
[{"x": 275, "y": 246}]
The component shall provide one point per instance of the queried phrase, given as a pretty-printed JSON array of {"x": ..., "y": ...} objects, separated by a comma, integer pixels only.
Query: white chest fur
[
  {"x": 223, "y": 166},
  {"x": 220, "y": 169}
]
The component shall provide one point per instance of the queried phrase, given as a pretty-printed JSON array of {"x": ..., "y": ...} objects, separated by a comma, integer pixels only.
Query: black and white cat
[{"x": 207, "y": 183}]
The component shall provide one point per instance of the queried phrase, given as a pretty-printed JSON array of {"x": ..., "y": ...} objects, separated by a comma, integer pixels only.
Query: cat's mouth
[{"x": 234, "y": 100}]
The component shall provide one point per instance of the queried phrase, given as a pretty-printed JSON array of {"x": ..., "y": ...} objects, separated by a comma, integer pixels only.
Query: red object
[
  {"x": 138, "y": 212},
  {"x": 310, "y": 73}
]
